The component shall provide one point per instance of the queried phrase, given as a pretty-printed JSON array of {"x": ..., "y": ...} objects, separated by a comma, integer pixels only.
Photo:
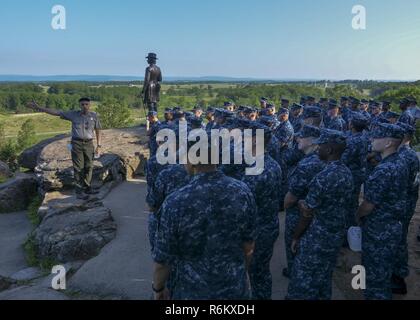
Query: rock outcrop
[
  {"x": 73, "y": 229},
  {"x": 75, "y": 233},
  {"x": 17, "y": 193},
  {"x": 124, "y": 154}
]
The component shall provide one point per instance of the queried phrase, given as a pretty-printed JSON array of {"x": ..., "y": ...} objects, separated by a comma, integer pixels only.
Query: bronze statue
[{"x": 152, "y": 80}]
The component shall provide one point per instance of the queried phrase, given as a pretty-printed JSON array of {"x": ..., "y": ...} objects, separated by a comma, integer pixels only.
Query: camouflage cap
[
  {"x": 283, "y": 111},
  {"x": 308, "y": 131},
  {"x": 311, "y": 112},
  {"x": 391, "y": 115},
  {"x": 408, "y": 130},
  {"x": 296, "y": 106},
  {"x": 358, "y": 118},
  {"x": 331, "y": 136},
  {"x": 388, "y": 130}
]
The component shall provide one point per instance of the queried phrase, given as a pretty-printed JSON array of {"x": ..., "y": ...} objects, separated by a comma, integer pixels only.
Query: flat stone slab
[
  {"x": 27, "y": 274},
  {"x": 32, "y": 293},
  {"x": 14, "y": 229},
  {"x": 124, "y": 266}
]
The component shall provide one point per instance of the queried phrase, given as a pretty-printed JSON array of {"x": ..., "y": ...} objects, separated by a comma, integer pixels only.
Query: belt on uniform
[{"x": 82, "y": 140}]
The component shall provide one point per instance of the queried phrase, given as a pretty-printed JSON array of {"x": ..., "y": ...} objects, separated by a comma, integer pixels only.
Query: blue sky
[{"x": 237, "y": 38}]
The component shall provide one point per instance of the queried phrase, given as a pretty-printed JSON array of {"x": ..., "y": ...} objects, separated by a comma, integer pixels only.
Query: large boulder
[
  {"x": 75, "y": 233},
  {"x": 29, "y": 158},
  {"x": 71, "y": 229},
  {"x": 16, "y": 194},
  {"x": 123, "y": 156},
  {"x": 5, "y": 172}
]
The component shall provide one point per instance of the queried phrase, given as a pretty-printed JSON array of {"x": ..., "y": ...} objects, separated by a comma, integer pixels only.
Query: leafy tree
[
  {"x": 114, "y": 114},
  {"x": 8, "y": 154},
  {"x": 26, "y": 136}
]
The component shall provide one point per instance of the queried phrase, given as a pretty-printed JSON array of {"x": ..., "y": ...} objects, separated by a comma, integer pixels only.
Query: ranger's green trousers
[{"x": 82, "y": 155}]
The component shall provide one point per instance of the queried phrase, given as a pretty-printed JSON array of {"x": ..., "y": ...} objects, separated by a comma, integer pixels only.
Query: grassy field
[{"x": 47, "y": 126}]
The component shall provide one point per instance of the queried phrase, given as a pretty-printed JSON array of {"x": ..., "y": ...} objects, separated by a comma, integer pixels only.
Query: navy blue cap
[
  {"x": 249, "y": 110},
  {"x": 412, "y": 100},
  {"x": 331, "y": 136},
  {"x": 323, "y": 100},
  {"x": 218, "y": 113},
  {"x": 404, "y": 101},
  {"x": 254, "y": 126},
  {"x": 228, "y": 114},
  {"x": 285, "y": 100},
  {"x": 267, "y": 121},
  {"x": 210, "y": 110},
  {"x": 391, "y": 115},
  {"x": 283, "y": 111},
  {"x": 310, "y": 98},
  {"x": 195, "y": 121},
  {"x": 270, "y": 106},
  {"x": 308, "y": 131},
  {"x": 152, "y": 114},
  {"x": 344, "y": 99},
  {"x": 332, "y": 105},
  {"x": 263, "y": 99},
  {"x": 408, "y": 130},
  {"x": 168, "y": 110},
  {"x": 359, "y": 119},
  {"x": 227, "y": 104},
  {"x": 296, "y": 106},
  {"x": 311, "y": 112},
  {"x": 388, "y": 130}
]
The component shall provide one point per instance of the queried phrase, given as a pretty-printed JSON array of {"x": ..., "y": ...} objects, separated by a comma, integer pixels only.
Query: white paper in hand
[{"x": 354, "y": 238}]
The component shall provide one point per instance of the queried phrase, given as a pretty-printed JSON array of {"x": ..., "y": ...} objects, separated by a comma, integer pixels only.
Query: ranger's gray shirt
[{"x": 83, "y": 126}]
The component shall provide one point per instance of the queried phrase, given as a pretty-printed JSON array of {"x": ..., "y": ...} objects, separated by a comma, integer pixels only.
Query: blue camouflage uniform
[
  {"x": 285, "y": 132},
  {"x": 266, "y": 188},
  {"x": 167, "y": 181},
  {"x": 311, "y": 276},
  {"x": 201, "y": 233},
  {"x": 299, "y": 181},
  {"x": 386, "y": 188},
  {"x": 407, "y": 118},
  {"x": 355, "y": 158},
  {"x": 154, "y": 129},
  {"x": 336, "y": 123},
  {"x": 409, "y": 156}
]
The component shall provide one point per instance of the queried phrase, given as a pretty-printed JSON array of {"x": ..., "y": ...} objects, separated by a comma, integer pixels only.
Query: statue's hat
[{"x": 152, "y": 56}]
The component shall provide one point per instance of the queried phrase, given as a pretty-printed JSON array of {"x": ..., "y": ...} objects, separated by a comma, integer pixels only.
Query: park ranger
[{"x": 85, "y": 127}]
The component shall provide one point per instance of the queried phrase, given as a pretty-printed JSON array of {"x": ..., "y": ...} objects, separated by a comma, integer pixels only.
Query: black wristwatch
[{"x": 157, "y": 291}]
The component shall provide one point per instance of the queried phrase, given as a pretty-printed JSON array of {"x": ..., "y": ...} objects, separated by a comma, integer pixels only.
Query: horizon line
[{"x": 243, "y": 78}]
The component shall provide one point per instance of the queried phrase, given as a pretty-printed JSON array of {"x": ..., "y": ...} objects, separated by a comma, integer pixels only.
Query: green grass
[
  {"x": 3, "y": 179},
  {"x": 45, "y": 125},
  {"x": 33, "y": 211}
]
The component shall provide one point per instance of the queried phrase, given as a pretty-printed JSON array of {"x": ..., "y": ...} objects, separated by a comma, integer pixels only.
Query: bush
[{"x": 114, "y": 114}]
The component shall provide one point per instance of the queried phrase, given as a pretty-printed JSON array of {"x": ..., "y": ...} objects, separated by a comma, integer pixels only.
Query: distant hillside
[{"x": 110, "y": 78}]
